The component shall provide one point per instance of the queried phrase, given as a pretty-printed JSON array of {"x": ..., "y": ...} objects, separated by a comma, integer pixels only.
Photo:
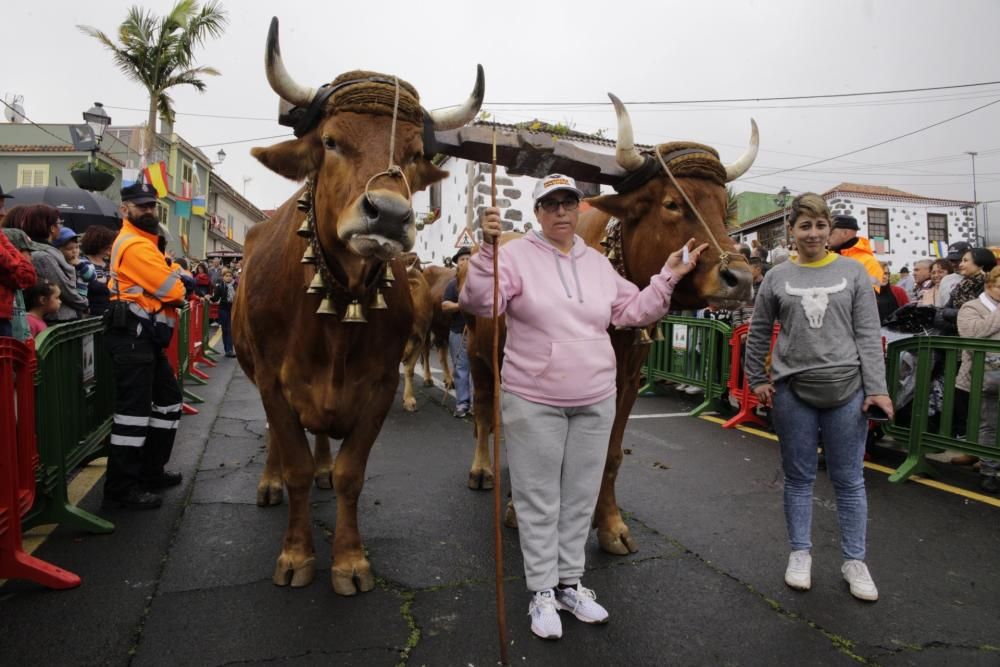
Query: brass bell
[
  {"x": 326, "y": 307},
  {"x": 354, "y": 313},
  {"x": 419, "y": 226},
  {"x": 304, "y": 202},
  {"x": 643, "y": 337},
  {"x": 378, "y": 303},
  {"x": 317, "y": 286},
  {"x": 387, "y": 277},
  {"x": 658, "y": 334},
  {"x": 304, "y": 230},
  {"x": 309, "y": 257},
  {"x": 612, "y": 254}
]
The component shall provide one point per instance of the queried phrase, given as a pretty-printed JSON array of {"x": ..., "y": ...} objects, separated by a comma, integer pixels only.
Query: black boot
[
  {"x": 134, "y": 499},
  {"x": 990, "y": 484},
  {"x": 167, "y": 479}
]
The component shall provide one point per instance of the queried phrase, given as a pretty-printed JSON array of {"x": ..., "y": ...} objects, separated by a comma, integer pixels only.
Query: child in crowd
[
  {"x": 41, "y": 299},
  {"x": 225, "y": 294},
  {"x": 68, "y": 243}
]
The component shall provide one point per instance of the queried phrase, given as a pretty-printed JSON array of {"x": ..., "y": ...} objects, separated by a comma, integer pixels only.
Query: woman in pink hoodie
[{"x": 560, "y": 296}]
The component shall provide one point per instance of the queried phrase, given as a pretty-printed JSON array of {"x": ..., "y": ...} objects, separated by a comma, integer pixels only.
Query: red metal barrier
[
  {"x": 18, "y": 460},
  {"x": 196, "y": 313},
  {"x": 739, "y": 385},
  {"x": 173, "y": 357}
]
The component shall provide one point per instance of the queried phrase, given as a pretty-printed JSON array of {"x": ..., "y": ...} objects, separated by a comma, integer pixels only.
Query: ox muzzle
[
  {"x": 734, "y": 286},
  {"x": 380, "y": 223}
]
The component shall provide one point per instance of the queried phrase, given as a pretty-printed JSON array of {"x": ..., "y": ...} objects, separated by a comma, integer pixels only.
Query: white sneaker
[
  {"x": 856, "y": 574},
  {"x": 681, "y": 387},
  {"x": 693, "y": 389},
  {"x": 582, "y": 603},
  {"x": 798, "y": 575},
  {"x": 545, "y": 621}
]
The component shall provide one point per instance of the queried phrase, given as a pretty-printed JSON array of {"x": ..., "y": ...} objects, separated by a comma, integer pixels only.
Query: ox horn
[
  {"x": 626, "y": 154},
  {"x": 740, "y": 167},
  {"x": 279, "y": 78},
  {"x": 456, "y": 117}
]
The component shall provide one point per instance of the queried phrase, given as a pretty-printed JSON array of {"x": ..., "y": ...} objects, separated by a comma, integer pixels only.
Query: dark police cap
[
  {"x": 956, "y": 250},
  {"x": 139, "y": 193},
  {"x": 845, "y": 222}
]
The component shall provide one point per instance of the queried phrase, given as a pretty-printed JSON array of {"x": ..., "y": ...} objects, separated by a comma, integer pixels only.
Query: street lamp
[
  {"x": 975, "y": 200},
  {"x": 781, "y": 200},
  {"x": 221, "y": 155},
  {"x": 98, "y": 120}
]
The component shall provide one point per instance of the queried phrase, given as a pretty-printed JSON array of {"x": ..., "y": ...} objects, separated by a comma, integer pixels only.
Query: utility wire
[
  {"x": 244, "y": 141},
  {"x": 882, "y": 143}
]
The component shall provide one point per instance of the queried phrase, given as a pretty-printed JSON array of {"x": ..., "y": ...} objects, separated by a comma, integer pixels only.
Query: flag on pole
[
  {"x": 198, "y": 205},
  {"x": 198, "y": 198},
  {"x": 182, "y": 207},
  {"x": 156, "y": 175}
]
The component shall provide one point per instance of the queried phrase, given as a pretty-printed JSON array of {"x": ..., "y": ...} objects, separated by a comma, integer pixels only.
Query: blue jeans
[
  {"x": 844, "y": 432},
  {"x": 460, "y": 370},
  {"x": 225, "y": 321}
]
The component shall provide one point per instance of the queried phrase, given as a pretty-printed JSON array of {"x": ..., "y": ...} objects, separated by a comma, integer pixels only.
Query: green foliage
[
  {"x": 732, "y": 208},
  {"x": 157, "y": 52},
  {"x": 102, "y": 167},
  {"x": 560, "y": 129}
]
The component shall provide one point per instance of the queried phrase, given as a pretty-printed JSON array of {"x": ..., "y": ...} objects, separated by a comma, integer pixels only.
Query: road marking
[
  {"x": 661, "y": 415},
  {"x": 934, "y": 484}
]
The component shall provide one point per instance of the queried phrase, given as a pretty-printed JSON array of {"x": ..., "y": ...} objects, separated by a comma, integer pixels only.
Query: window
[
  {"x": 187, "y": 178},
  {"x": 32, "y": 175},
  {"x": 878, "y": 229},
  {"x": 163, "y": 213},
  {"x": 769, "y": 235},
  {"x": 937, "y": 227}
]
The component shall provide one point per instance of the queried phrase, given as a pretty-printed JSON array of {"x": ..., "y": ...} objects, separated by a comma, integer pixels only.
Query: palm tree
[{"x": 158, "y": 52}]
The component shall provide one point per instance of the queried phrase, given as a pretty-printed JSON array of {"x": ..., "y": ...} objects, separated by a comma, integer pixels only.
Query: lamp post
[
  {"x": 221, "y": 157},
  {"x": 98, "y": 120},
  {"x": 781, "y": 200},
  {"x": 90, "y": 178},
  {"x": 975, "y": 200}
]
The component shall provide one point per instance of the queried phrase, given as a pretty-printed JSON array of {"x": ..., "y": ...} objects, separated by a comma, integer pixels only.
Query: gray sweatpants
[{"x": 556, "y": 457}]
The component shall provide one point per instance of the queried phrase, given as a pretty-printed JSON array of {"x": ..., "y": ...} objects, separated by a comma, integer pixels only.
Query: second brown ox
[
  {"x": 653, "y": 219},
  {"x": 361, "y": 153}
]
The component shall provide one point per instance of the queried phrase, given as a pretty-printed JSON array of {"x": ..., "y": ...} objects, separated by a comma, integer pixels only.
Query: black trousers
[{"x": 147, "y": 413}]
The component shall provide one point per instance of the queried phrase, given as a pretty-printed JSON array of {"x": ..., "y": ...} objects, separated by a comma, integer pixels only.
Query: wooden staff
[{"x": 497, "y": 536}]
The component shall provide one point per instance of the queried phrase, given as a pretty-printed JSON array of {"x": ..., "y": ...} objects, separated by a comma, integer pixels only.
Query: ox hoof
[
  {"x": 324, "y": 479},
  {"x": 617, "y": 542},
  {"x": 358, "y": 580},
  {"x": 428, "y": 382},
  {"x": 287, "y": 573},
  {"x": 449, "y": 384},
  {"x": 269, "y": 493},
  {"x": 510, "y": 516},
  {"x": 482, "y": 479},
  {"x": 410, "y": 404}
]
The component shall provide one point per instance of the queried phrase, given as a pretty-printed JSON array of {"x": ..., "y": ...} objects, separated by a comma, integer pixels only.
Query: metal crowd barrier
[
  {"x": 693, "y": 351},
  {"x": 913, "y": 361},
  {"x": 739, "y": 384},
  {"x": 74, "y": 405}
]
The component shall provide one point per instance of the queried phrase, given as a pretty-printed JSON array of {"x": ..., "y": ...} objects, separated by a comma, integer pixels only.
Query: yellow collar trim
[{"x": 828, "y": 259}]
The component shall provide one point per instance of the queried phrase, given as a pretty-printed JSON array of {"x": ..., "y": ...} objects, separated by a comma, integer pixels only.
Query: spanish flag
[{"x": 156, "y": 175}]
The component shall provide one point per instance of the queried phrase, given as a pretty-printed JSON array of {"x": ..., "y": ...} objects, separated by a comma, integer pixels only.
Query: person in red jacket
[{"x": 16, "y": 272}]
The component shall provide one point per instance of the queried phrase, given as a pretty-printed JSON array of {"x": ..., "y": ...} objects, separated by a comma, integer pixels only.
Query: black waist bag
[{"x": 826, "y": 387}]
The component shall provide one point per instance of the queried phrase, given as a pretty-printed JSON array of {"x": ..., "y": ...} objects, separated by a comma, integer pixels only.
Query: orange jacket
[
  {"x": 862, "y": 252},
  {"x": 139, "y": 272}
]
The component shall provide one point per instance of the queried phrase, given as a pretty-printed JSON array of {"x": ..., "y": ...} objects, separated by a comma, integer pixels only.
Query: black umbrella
[{"x": 78, "y": 208}]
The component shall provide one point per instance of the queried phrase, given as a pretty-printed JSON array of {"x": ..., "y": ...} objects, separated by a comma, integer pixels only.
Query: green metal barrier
[
  {"x": 694, "y": 351},
  {"x": 921, "y": 436},
  {"x": 74, "y": 405}
]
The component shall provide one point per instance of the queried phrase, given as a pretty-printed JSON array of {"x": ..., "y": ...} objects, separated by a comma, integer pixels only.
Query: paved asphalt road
[{"x": 190, "y": 584}]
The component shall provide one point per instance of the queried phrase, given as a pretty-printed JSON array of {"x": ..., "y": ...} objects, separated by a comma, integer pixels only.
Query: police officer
[{"x": 138, "y": 327}]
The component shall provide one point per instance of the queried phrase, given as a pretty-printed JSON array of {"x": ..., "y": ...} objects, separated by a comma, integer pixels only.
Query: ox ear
[
  {"x": 294, "y": 159},
  {"x": 627, "y": 206},
  {"x": 427, "y": 173}
]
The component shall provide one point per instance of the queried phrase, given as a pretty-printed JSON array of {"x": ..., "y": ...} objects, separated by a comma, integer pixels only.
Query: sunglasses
[{"x": 552, "y": 205}]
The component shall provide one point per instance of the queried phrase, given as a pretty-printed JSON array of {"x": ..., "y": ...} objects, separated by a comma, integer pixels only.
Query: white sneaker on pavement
[
  {"x": 693, "y": 389},
  {"x": 681, "y": 387},
  {"x": 582, "y": 603},
  {"x": 798, "y": 575},
  {"x": 856, "y": 574},
  {"x": 545, "y": 621}
]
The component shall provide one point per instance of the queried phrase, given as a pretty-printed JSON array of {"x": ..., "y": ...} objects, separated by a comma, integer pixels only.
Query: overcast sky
[{"x": 564, "y": 52}]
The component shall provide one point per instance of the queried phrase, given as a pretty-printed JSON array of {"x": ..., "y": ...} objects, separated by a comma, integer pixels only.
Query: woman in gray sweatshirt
[{"x": 826, "y": 370}]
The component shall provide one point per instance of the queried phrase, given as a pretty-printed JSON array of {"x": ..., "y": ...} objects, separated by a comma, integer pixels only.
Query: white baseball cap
[{"x": 554, "y": 182}]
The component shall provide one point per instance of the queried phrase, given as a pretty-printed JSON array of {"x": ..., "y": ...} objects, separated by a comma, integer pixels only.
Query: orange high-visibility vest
[{"x": 140, "y": 275}]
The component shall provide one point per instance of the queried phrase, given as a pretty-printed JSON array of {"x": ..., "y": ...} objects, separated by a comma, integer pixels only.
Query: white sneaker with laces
[
  {"x": 693, "y": 389},
  {"x": 856, "y": 574},
  {"x": 681, "y": 387},
  {"x": 545, "y": 621},
  {"x": 798, "y": 575},
  {"x": 582, "y": 603}
]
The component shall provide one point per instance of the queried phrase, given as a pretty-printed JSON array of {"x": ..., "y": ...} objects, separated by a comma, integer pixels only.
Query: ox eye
[
  {"x": 328, "y": 142},
  {"x": 671, "y": 205}
]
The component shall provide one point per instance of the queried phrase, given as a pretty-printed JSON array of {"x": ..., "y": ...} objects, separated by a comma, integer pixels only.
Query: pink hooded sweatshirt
[{"x": 558, "y": 309}]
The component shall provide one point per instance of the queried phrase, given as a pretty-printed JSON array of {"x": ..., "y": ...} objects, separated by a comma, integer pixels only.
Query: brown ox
[
  {"x": 655, "y": 221},
  {"x": 438, "y": 278},
  {"x": 416, "y": 344},
  {"x": 315, "y": 372}
]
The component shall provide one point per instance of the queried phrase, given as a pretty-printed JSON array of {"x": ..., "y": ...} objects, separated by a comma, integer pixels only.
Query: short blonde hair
[
  {"x": 994, "y": 275},
  {"x": 808, "y": 203}
]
